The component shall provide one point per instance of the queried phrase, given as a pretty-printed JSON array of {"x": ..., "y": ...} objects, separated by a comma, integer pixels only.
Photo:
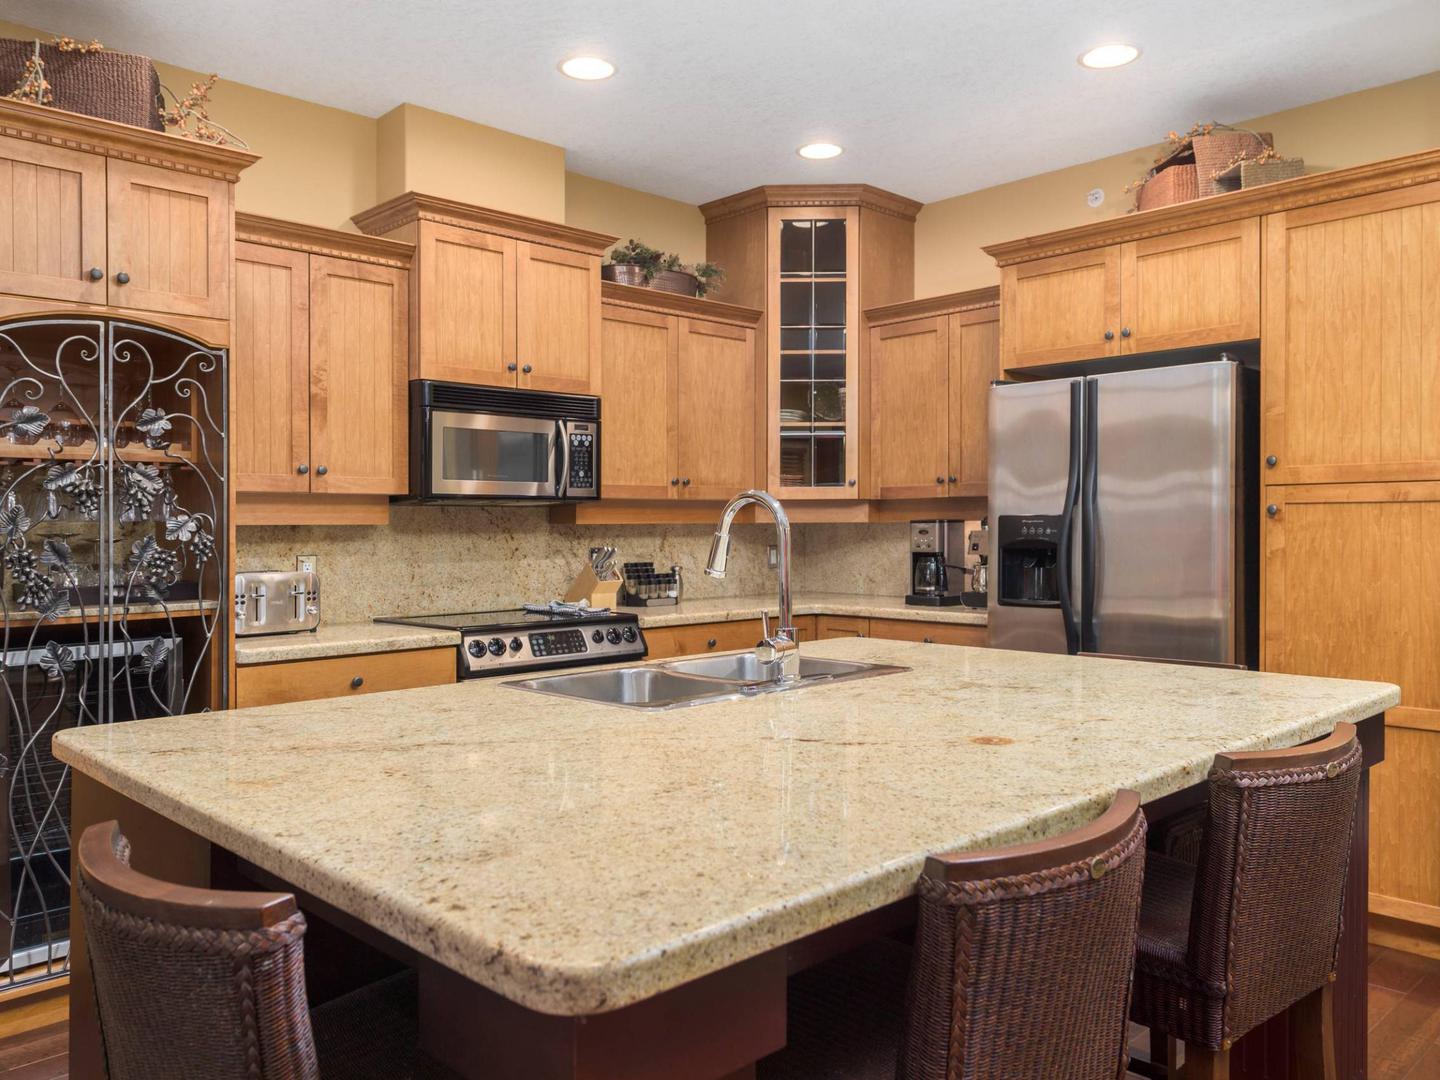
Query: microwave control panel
[{"x": 584, "y": 461}]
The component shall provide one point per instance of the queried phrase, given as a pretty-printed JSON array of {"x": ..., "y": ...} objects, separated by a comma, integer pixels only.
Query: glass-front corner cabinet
[{"x": 814, "y": 339}]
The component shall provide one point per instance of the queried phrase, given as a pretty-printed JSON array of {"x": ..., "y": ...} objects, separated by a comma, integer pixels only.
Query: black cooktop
[{"x": 473, "y": 622}]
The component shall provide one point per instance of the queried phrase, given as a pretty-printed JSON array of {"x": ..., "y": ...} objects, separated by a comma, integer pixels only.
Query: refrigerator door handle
[
  {"x": 1065, "y": 553},
  {"x": 1090, "y": 518}
]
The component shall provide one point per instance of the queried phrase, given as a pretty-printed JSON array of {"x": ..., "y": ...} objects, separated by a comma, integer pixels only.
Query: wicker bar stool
[
  {"x": 1021, "y": 968},
  {"x": 204, "y": 983},
  {"x": 1254, "y": 927}
]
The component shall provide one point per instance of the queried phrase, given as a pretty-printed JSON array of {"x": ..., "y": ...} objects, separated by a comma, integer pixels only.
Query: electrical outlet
[
  {"x": 307, "y": 562},
  {"x": 772, "y": 557}
]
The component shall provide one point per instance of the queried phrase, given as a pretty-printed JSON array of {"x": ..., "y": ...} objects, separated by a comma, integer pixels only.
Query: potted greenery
[{"x": 636, "y": 263}]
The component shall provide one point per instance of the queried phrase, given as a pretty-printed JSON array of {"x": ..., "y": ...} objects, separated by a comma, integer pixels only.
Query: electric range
[{"x": 515, "y": 640}]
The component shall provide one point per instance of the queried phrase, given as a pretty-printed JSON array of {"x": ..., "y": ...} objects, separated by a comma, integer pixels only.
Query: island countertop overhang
[{"x": 576, "y": 858}]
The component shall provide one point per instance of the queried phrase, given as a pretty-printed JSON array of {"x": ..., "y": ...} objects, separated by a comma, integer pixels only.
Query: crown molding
[
  {"x": 861, "y": 195},
  {"x": 930, "y": 306},
  {"x": 663, "y": 303},
  {"x": 91, "y": 135},
  {"x": 1302, "y": 191},
  {"x": 294, "y": 236},
  {"x": 413, "y": 206}
]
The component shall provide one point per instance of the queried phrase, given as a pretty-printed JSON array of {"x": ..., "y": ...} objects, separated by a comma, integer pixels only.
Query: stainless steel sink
[
  {"x": 747, "y": 668},
  {"x": 633, "y": 687}
]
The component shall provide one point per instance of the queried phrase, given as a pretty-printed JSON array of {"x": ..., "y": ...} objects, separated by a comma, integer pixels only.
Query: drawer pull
[
  {"x": 710, "y": 643},
  {"x": 928, "y": 640},
  {"x": 357, "y": 682},
  {"x": 96, "y": 273},
  {"x": 122, "y": 278}
]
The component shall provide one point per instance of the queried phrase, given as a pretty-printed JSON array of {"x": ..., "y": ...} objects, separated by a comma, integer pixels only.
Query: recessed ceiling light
[
  {"x": 1109, "y": 56},
  {"x": 588, "y": 68},
  {"x": 819, "y": 151}
]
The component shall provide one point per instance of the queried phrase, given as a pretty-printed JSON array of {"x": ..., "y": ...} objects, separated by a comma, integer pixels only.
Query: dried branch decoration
[
  {"x": 189, "y": 116},
  {"x": 33, "y": 86},
  {"x": 69, "y": 44}
]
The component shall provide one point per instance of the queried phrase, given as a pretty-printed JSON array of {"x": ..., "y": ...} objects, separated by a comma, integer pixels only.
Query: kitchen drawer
[
  {"x": 838, "y": 626},
  {"x": 668, "y": 641},
  {"x": 342, "y": 676},
  {"x": 940, "y": 633}
]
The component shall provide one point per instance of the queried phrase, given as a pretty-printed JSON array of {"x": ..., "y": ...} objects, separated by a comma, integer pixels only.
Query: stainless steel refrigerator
[{"x": 1123, "y": 513}]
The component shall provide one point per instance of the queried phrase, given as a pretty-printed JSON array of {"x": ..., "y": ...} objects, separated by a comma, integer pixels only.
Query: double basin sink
[{"x": 673, "y": 684}]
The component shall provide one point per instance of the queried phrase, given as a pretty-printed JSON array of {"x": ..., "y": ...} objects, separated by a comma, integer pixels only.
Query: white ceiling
[{"x": 930, "y": 98}]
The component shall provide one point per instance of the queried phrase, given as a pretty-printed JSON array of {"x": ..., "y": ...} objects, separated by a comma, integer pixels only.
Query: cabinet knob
[
  {"x": 952, "y": 479},
  {"x": 1124, "y": 331},
  {"x": 302, "y": 469},
  {"x": 527, "y": 369},
  {"x": 674, "y": 481},
  {"x": 122, "y": 278},
  {"x": 96, "y": 273},
  {"x": 1272, "y": 461},
  {"x": 510, "y": 367},
  {"x": 322, "y": 470},
  {"x": 939, "y": 480},
  {"x": 685, "y": 482},
  {"x": 851, "y": 481},
  {"x": 710, "y": 643},
  {"x": 357, "y": 682},
  {"x": 1272, "y": 509},
  {"x": 928, "y": 641},
  {"x": 1109, "y": 335}
]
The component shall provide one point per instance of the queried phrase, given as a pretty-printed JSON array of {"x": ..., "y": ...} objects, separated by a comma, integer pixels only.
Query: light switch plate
[{"x": 307, "y": 562}]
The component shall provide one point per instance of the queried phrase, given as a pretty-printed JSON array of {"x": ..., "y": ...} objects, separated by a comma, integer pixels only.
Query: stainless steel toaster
[{"x": 276, "y": 602}]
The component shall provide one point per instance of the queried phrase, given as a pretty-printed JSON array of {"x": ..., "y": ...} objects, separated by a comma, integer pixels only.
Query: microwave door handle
[{"x": 562, "y": 483}]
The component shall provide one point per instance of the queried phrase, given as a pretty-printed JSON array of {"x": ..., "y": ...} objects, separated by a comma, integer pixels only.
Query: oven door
[{"x": 484, "y": 454}]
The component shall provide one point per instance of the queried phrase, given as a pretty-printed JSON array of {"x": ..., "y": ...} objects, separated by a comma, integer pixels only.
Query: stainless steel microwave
[{"x": 488, "y": 443}]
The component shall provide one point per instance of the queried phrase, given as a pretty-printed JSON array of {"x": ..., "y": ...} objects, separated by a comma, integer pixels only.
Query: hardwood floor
[{"x": 1404, "y": 1027}]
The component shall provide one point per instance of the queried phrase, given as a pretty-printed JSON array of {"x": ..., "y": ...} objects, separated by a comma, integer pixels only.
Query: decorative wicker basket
[
  {"x": 1248, "y": 174},
  {"x": 1215, "y": 152},
  {"x": 1175, "y": 184},
  {"x": 111, "y": 85}
]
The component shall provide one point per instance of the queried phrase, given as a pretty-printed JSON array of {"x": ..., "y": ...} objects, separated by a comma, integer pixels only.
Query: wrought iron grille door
[{"x": 113, "y": 502}]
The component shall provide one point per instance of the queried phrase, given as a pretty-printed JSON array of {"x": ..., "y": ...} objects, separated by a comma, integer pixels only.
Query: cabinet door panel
[
  {"x": 1352, "y": 340},
  {"x": 270, "y": 421},
  {"x": 557, "y": 296},
  {"x": 358, "y": 368},
  {"x": 715, "y": 409},
  {"x": 1191, "y": 288},
  {"x": 52, "y": 222},
  {"x": 1350, "y": 579},
  {"x": 974, "y": 363},
  {"x": 909, "y": 426},
  {"x": 1061, "y": 308},
  {"x": 466, "y": 306},
  {"x": 637, "y": 385},
  {"x": 170, "y": 233}
]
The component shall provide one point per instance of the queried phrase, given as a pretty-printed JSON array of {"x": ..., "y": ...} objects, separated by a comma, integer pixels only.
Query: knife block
[{"x": 588, "y": 587}]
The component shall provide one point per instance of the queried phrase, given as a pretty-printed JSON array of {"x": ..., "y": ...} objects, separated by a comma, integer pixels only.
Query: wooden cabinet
[
  {"x": 1352, "y": 340},
  {"x": 321, "y": 363},
  {"x": 668, "y": 641},
  {"x": 929, "y": 632},
  {"x": 678, "y": 401},
  {"x": 52, "y": 222},
  {"x": 498, "y": 299},
  {"x": 1169, "y": 291},
  {"x": 840, "y": 626},
  {"x": 342, "y": 676},
  {"x": 930, "y": 382}
]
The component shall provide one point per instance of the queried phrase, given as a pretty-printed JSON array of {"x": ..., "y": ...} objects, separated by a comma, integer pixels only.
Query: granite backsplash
[{"x": 431, "y": 559}]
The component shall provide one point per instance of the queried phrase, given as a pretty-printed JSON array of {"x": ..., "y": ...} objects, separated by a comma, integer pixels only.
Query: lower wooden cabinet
[
  {"x": 342, "y": 676},
  {"x": 840, "y": 626},
  {"x": 1350, "y": 578},
  {"x": 930, "y": 632}
]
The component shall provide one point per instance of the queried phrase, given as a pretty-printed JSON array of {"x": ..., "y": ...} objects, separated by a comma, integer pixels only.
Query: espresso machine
[{"x": 937, "y": 563}]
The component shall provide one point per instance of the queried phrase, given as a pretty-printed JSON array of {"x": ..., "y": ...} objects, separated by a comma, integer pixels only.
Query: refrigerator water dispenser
[{"x": 1029, "y": 549}]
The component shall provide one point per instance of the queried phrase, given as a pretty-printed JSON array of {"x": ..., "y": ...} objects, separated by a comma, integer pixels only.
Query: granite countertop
[
  {"x": 579, "y": 857},
  {"x": 352, "y": 639},
  {"x": 343, "y": 639}
]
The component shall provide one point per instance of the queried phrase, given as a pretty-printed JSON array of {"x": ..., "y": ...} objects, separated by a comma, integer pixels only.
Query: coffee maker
[{"x": 937, "y": 563}]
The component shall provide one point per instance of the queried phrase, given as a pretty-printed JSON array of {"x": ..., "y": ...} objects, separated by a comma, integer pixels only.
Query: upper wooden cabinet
[
  {"x": 678, "y": 396},
  {"x": 321, "y": 366},
  {"x": 813, "y": 257},
  {"x": 497, "y": 299},
  {"x": 1352, "y": 339},
  {"x": 1163, "y": 292},
  {"x": 105, "y": 214},
  {"x": 931, "y": 364}
]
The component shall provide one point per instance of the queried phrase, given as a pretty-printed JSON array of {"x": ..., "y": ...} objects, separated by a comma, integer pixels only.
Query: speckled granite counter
[
  {"x": 732, "y": 608},
  {"x": 346, "y": 639},
  {"x": 577, "y": 857}
]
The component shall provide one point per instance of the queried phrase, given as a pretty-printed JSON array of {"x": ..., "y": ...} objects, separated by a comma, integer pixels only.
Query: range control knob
[
  {"x": 497, "y": 646},
  {"x": 514, "y": 644},
  {"x": 613, "y": 636},
  {"x": 597, "y": 636},
  {"x": 629, "y": 634},
  {"x": 476, "y": 647}
]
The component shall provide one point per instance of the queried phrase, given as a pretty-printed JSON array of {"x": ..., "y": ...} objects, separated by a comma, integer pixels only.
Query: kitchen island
[{"x": 588, "y": 890}]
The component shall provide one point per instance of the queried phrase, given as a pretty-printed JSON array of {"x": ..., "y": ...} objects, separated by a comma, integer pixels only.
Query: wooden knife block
[{"x": 587, "y": 586}]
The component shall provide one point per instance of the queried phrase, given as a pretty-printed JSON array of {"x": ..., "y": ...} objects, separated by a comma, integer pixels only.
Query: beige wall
[
  {"x": 1384, "y": 122},
  {"x": 626, "y": 213}
]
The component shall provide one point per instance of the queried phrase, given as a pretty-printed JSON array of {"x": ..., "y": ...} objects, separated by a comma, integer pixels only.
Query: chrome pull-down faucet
[{"x": 779, "y": 652}]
